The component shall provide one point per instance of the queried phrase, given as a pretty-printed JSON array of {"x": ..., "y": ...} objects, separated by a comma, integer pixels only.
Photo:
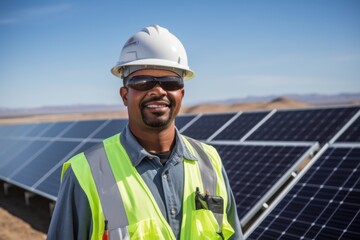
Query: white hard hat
[{"x": 153, "y": 47}]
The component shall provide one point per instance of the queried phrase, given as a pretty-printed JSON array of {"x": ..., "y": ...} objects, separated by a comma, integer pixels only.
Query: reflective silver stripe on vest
[
  {"x": 208, "y": 174},
  {"x": 207, "y": 171},
  {"x": 109, "y": 194}
]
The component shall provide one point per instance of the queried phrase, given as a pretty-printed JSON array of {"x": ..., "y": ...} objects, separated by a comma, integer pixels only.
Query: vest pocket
[
  {"x": 204, "y": 225},
  {"x": 144, "y": 230}
]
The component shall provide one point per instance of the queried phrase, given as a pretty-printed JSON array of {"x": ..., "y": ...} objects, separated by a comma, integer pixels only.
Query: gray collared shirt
[{"x": 72, "y": 215}]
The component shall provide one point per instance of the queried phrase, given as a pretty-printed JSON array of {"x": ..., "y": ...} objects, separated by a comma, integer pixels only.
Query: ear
[
  {"x": 182, "y": 93},
  {"x": 123, "y": 94}
]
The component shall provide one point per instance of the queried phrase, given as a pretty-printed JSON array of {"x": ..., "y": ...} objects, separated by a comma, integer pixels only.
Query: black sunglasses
[{"x": 145, "y": 83}]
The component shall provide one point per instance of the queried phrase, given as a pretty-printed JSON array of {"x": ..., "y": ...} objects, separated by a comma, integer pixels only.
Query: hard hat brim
[{"x": 117, "y": 70}]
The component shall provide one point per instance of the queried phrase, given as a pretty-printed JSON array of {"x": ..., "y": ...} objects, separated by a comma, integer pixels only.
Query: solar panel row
[
  {"x": 261, "y": 150},
  {"x": 307, "y": 125}
]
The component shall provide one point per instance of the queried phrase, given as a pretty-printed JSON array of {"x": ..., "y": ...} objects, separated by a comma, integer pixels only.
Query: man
[{"x": 149, "y": 182}]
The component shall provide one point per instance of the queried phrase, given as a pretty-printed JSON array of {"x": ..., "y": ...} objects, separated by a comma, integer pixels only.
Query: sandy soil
[{"x": 19, "y": 221}]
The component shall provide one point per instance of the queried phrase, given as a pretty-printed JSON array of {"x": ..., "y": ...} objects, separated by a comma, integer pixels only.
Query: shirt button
[
  {"x": 173, "y": 211},
  {"x": 165, "y": 176}
]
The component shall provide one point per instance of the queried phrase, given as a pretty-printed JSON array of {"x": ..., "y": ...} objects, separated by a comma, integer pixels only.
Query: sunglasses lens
[
  {"x": 145, "y": 83},
  {"x": 141, "y": 83},
  {"x": 171, "y": 83}
]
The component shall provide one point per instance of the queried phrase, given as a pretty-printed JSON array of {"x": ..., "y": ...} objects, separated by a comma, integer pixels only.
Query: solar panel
[
  {"x": 323, "y": 204},
  {"x": 32, "y": 155},
  {"x": 304, "y": 125},
  {"x": 352, "y": 133},
  {"x": 254, "y": 170},
  {"x": 241, "y": 125},
  {"x": 207, "y": 125}
]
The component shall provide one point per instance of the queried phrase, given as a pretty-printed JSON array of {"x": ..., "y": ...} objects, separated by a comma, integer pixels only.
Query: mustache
[{"x": 155, "y": 98}]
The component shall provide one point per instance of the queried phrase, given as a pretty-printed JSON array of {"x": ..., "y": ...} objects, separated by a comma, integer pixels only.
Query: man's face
[{"x": 155, "y": 108}]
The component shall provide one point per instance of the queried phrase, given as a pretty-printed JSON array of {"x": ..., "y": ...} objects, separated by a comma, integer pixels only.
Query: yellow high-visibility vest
[{"x": 110, "y": 178}]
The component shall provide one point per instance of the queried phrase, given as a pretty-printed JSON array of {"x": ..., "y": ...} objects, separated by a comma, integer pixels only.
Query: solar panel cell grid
[{"x": 324, "y": 204}]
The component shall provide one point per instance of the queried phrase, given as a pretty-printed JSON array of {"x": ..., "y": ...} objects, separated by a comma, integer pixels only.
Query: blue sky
[{"x": 60, "y": 52}]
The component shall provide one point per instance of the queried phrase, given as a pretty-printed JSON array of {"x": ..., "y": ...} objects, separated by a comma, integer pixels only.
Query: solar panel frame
[
  {"x": 287, "y": 190},
  {"x": 312, "y": 147}
]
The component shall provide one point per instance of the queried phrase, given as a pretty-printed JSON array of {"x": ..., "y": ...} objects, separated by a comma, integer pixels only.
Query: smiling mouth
[{"x": 156, "y": 106}]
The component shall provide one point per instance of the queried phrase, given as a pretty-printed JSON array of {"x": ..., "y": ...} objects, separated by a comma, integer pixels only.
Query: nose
[{"x": 157, "y": 90}]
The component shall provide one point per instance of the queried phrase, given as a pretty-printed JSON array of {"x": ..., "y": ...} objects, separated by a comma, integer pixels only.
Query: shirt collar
[{"x": 137, "y": 153}]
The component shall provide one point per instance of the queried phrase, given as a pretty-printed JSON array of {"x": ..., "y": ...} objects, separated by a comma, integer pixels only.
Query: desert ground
[{"x": 19, "y": 221}]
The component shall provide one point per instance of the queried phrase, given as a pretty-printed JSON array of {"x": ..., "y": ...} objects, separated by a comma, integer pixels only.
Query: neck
[{"x": 155, "y": 140}]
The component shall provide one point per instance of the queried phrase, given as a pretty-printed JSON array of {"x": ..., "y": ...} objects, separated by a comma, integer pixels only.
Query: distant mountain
[
  {"x": 238, "y": 104},
  {"x": 317, "y": 99},
  {"x": 50, "y": 110}
]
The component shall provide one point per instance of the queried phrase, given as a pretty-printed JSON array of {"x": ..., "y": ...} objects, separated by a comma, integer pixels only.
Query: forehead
[{"x": 152, "y": 72}]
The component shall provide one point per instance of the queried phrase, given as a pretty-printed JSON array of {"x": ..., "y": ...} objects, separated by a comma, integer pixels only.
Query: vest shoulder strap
[
  {"x": 207, "y": 171},
  {"x": 108, "y": 191}
]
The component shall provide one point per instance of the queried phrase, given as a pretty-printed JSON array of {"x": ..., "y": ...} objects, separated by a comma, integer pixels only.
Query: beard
[
  {"x": 161, "y": 121},
  {"x": 158, "y": 120}
]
